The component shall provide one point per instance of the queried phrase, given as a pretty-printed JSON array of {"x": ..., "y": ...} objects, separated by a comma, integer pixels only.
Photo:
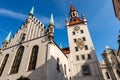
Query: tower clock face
[{"x": 76, "y": 28}]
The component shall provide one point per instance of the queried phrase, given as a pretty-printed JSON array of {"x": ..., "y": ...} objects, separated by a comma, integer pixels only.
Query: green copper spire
[
  {"x": 32, "y": 11},
  {"x": 8, "y": 38},
  {"x": 51, "y": 20},
  {"x": 60, "y": 46},
  {"x": 83, "y": 14}
]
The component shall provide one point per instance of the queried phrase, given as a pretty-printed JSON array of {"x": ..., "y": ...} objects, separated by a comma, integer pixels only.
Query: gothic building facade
[
  {"x": 110, "y": 65},
  {"x": 32, "y": 53}
]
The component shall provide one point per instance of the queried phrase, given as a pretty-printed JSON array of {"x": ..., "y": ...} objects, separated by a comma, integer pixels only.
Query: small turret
[
  {"x": 67, "y": 21},
  {"x": 31, "y": 13},
  {"x": 74, "y": 17},
  {"x": 60, "y": 46},
  {"x": 108, "y": 50},
  {"x": 51, "y": 28},
  {"x": 6, "y": 40},
  {"x": 107, "y": 47},
  {"x": 73, "y": 12},
  {"x": 84, "y": 18}
]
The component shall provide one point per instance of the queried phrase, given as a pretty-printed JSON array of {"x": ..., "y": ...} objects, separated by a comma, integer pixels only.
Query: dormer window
[{"x": 22, "y": 37}]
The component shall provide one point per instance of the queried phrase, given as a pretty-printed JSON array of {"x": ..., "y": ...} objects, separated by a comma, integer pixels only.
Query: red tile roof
[{"x": 66, "y": 50}]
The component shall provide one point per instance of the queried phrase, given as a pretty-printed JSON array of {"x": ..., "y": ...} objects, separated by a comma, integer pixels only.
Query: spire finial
[
  {"x": 107, "y": 47},
  {"x": 32, "y": 10},
  {"x": 60, "y": 46},
  {"x": 72, "y": 8},
  {"x": 51, "y": 20},
  {"x": 66, "y": 19},
  {"x": 83, "y": 15},
  {"x": 31, "y": 13},
  {"x": 71, "y": 2},
  {"x": 8, "y": 38}
]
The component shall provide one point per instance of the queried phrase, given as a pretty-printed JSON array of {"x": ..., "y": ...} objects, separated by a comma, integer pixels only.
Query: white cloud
[
  {"x": 43, "y": 19},
  {"x": 59, "y": 21},
  {"x": 12, "y": 14}
]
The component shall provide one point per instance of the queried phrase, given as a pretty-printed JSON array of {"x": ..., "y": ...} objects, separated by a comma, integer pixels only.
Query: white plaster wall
[
  {"x": 53, "y": 74},
  {"x": 76, "y": 65}
]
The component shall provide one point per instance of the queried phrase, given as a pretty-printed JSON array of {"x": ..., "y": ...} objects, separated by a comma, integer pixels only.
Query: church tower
[{"x": 84, "y": 63}]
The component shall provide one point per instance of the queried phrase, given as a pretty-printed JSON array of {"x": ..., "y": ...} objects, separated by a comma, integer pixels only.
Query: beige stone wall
[
  {"x": 35, "y": 32},
  {"x": 23, "y": 69},
  {"x": 110, "y": 65}
]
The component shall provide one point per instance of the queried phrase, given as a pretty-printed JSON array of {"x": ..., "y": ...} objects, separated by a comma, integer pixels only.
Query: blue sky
[{"x": 102, "y": 23}]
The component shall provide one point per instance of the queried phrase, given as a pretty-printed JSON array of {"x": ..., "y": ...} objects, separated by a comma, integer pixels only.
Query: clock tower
[{"x": 83, "y": 59}]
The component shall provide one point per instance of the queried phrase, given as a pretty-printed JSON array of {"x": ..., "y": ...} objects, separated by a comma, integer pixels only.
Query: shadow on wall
[
  {"x": 46, "y": 72},
  {"x": 90, "y": 70}
]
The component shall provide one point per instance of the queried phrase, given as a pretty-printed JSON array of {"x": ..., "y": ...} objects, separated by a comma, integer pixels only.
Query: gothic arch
[
  {"x": 118, "y": 73},
  {"x": 107, "y": 75},
  {"x": 17, "y": 60},
  {"x": 33, "y": 58},
  {"x": 3, "y": 64}
]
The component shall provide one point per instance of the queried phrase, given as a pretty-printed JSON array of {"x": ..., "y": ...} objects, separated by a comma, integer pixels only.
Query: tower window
[
  {"x": 73, "y": 32},
  {"x": 65, "y": 68},
  {"x": 83, "y": 38},
  {"x": 107, "y": 75},
  {"x": 81, "y": 31},
  {"x": 76, "y": 48},
  {"x": 83, "y": 56},
  {"x": 17, "y": 60},
  {"x": 86, "y": 47},
  {"x": 75, "y": 40},
  {"x": 33, "y": 58},
  {"x": 89, "y": 56},
  {"x": 77, "y": 58},
  {"x": 73, "y": 14},
  {"x": 3, "y": 64},
  {"x": 86, "y": 70},
  {"x": 58, "y": 66}
]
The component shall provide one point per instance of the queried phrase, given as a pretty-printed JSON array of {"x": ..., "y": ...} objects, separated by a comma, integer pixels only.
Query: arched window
[
  {"x": 3, "y": 64},
  {"x": 107, "y": 75},
  {"x": 17, "y": 60},
  {"x": 33, "y": 58},
  {"x": 118, "y": 73},
  {"x": 73, "y": 14},
  {"x": 65, "y": 68}
]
